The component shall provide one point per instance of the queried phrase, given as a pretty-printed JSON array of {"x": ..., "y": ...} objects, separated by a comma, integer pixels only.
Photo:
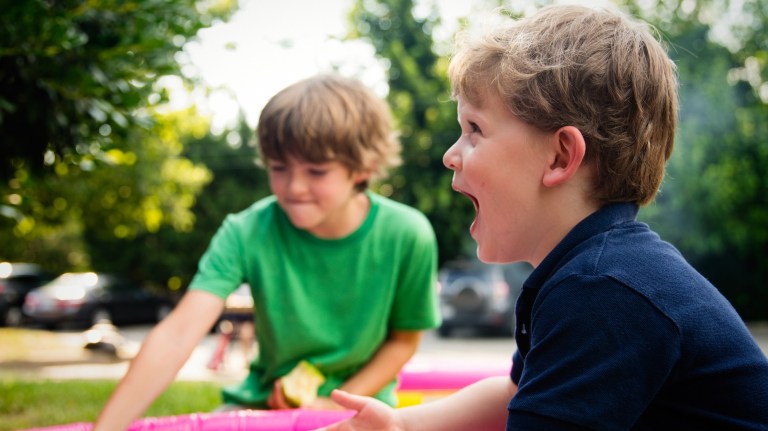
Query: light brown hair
[
  {"x": 595, "y": 70},
  {"x": 326, "y": 118}
]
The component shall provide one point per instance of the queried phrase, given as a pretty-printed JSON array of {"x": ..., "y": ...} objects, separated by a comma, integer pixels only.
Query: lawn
[{"x": 42, "y": 403}]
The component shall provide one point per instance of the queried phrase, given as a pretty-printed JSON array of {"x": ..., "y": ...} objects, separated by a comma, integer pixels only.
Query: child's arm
[
  {"x": 480, "y": 406},
  {"x": 385, "y": 364},
  {"x": 392, "y": 355},
  {"x": 372, "y": 377},
  {"x": 162, "y": 354}
]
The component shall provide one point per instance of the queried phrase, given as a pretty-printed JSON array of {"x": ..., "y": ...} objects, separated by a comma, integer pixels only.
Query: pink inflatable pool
[
  {"x": 424, "y": 381},
  {"x": 246, "y": 420},
  {"x": 424, "y": 375},
  {"x": 420, "y": 381}
]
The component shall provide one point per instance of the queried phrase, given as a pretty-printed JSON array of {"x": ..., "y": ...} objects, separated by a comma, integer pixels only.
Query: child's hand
[
  {"x": 324, "y": 403},
  {"x": 276, "y": 400},
  {"x": 372, "y": 414}
]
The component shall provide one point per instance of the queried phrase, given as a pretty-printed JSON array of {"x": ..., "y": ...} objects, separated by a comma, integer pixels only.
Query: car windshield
[{"x": 72, "y": 286}]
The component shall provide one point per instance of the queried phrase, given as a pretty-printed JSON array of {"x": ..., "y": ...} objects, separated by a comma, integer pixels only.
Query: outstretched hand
[
  {"x": 372, "y": 414},
  {"x": 277, "y": 401}
]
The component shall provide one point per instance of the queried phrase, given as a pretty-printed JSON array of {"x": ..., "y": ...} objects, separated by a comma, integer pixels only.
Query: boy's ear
[
  {"x": 568, "y": 148},
  {"x": 360, "y": 176}
]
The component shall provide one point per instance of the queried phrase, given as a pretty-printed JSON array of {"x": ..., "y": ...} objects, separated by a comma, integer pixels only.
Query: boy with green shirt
[{"x": 341, "y": 277}]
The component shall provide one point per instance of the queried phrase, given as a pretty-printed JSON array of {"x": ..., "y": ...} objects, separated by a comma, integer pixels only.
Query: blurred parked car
[
  {"x": 87, "y": 298},
  {"x": 480, "y": 296},
  {"x": 16, "y": 280}
]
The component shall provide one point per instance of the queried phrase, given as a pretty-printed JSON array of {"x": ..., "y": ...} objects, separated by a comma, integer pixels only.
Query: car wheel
[
  {"x": 162, "y": 312},
  {"x": 101, "y": 315},
  {"x": 14, "y": 317}
]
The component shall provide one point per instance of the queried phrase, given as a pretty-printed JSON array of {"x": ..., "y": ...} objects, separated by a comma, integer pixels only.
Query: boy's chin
[
  {"x": 483, "y": 257},
  {"x": 490, "y": 257},
  {"x": 303, "y": 225},
  {"x": 302, "y": 219}
]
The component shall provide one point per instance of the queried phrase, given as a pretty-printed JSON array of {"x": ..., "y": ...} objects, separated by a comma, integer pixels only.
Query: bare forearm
[
  {"x": 480, "y": 406},
  {"x": 163, "y": 353},
  {"x": 148, "y": 375},
  {"x": 385, "y": 364}
]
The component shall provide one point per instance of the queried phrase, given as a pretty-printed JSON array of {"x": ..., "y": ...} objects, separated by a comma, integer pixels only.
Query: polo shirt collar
[{"x": 600, "y": 221}]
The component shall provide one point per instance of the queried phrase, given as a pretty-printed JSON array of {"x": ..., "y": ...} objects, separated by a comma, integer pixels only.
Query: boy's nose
[
  {"x": 451, "y": 158},
  {"x": 296, "y": 184}
]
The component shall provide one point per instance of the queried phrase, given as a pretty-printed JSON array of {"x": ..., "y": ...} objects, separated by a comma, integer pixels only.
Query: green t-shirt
[{"x": 330, "y": 302}]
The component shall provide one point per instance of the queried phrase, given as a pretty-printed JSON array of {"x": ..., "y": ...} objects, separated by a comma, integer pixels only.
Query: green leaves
[
  {"x": 74, "y": 73},
  {"x": 714, "y": 204},
  {"x": 419, "y": 96},
  {"x": 86, "y": 154}
]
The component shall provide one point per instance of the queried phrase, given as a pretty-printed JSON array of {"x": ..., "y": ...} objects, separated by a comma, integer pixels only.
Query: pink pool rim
[
  {"x": 245, "y": 420},
  {"x": 417, "y": 376},
  {"x": 427, "y": 375}
]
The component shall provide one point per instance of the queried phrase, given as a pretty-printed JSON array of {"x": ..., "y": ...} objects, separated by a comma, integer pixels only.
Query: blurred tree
[
  {"x": 154, "y": 188},
  {"x": 73, "y": 73},
  {"x": 167, "y": 257},
  {"x": 137, "y": 189},
  {"x": 714, "y": 201},
  {"x": 237, "y": 182},
  {"x": 88, "y": 161},
  {"x": 237, "y": 179},
  {"x": 419, "y": 96}
]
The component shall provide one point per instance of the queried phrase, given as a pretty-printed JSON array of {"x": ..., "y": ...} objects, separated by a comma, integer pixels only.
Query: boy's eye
[
  {"x": 474, "y": 128},
  {"x": 277, "y": 168},
  {"x": 315, "y": 172}
]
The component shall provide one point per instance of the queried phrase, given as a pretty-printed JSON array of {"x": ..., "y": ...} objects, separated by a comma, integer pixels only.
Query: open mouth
[
  {"x": 473, "y": 226},
  {"x": 474, "y": 201},
  {"x": 471, "y": 198},
  {"x": 476, "y": 204}
]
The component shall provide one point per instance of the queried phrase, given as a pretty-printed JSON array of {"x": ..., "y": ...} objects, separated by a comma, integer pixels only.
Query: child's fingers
[
  {"x": 276, "y": 399},
  {"x": 349, "y": 401}
]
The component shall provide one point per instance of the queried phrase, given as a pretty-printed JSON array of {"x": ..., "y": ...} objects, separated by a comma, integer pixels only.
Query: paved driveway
[{"x": 60, "y": 355}]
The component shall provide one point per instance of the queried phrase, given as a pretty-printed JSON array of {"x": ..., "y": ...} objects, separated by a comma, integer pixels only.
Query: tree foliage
[
  {"x": 90, "y": 161},
  {"x": 137, "y": 189},
  {"x": 713, "y": 204},
  {"x": 419, "y": 96},
  {"x": 74, "y": 73},
  {"x": 168, "y": 256}
]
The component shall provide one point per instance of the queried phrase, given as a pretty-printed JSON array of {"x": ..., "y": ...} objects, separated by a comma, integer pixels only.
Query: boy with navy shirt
[{"x": 568, "y": 119}]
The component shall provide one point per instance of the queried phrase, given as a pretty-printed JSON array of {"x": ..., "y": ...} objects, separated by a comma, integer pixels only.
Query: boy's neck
[
  {"x": 347, "y": 221},
  {"x": 564, "y": 209}
]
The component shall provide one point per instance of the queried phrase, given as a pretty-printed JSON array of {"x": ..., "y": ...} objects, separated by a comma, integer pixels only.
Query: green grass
[{"x": 42, "y": 403}]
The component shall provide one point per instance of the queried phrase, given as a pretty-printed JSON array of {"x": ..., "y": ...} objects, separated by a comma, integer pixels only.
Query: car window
[
  {"x": 23, "y": 280},
  {"x": 118, "y": 285}
]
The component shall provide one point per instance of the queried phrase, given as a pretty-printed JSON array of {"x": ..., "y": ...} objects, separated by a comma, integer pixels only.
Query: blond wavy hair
[{"x": 596, "y": 70}]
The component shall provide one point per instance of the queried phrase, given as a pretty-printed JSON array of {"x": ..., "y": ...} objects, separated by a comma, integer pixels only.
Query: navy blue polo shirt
[{"x": 617, "y": 331}]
